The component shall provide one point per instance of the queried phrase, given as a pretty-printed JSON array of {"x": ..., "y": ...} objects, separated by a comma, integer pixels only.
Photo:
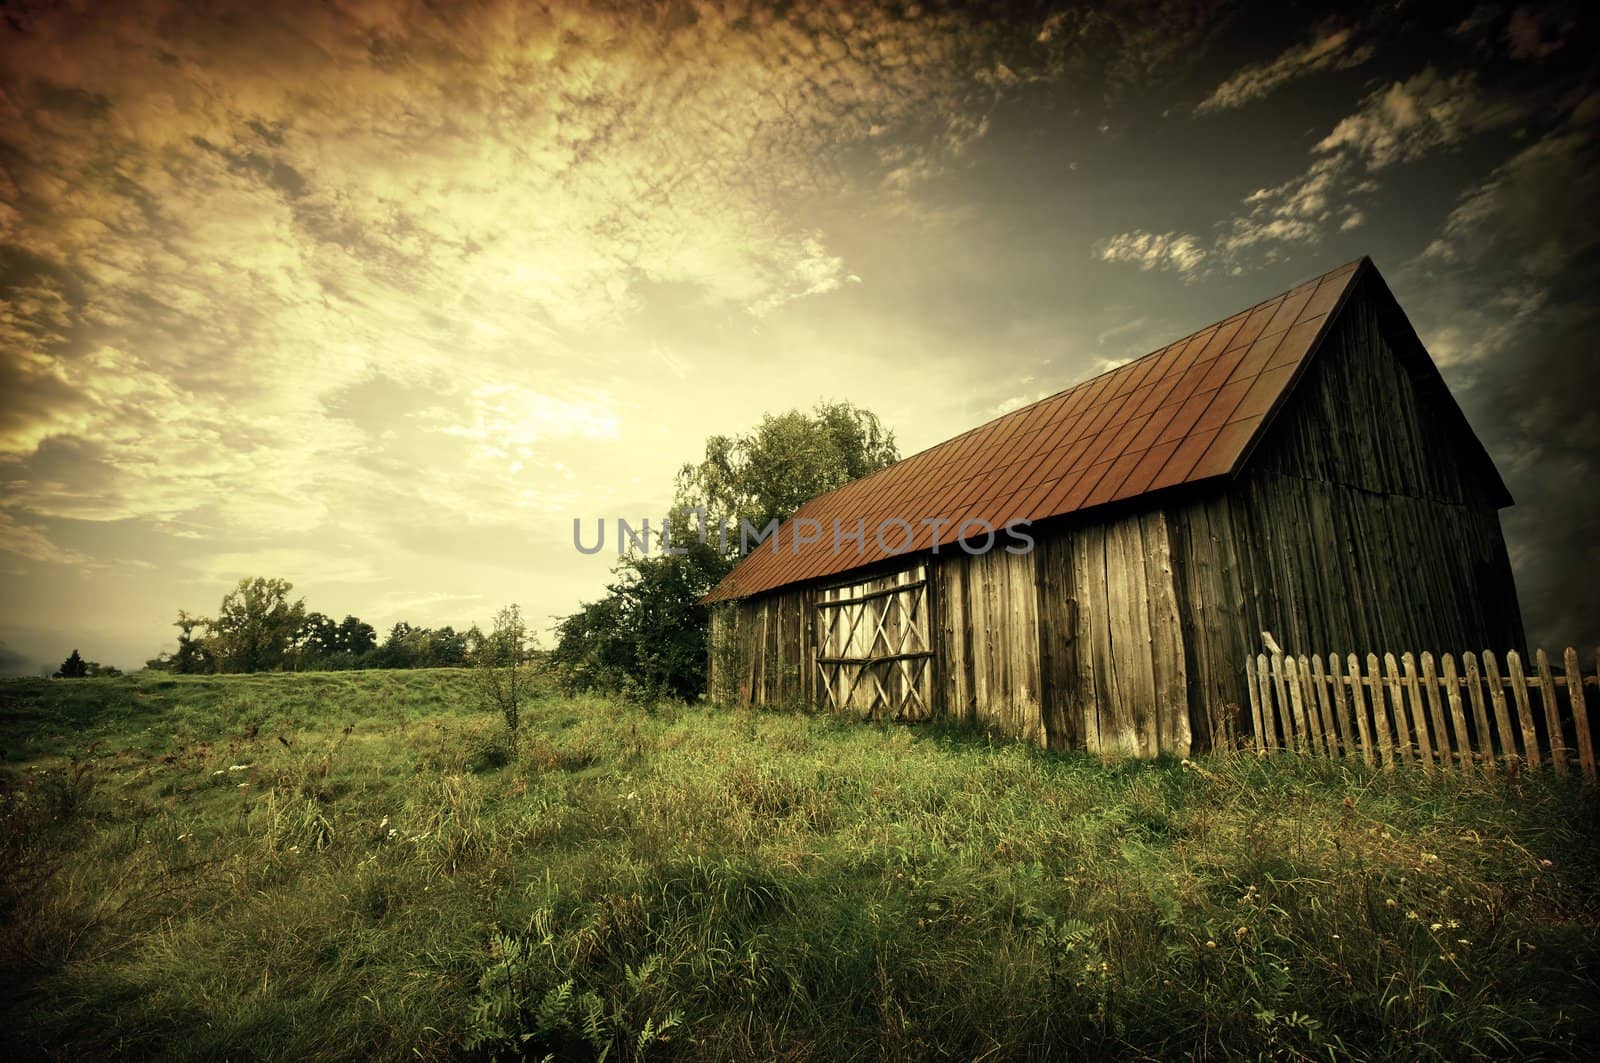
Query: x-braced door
[{"x": 874, "y": 654}]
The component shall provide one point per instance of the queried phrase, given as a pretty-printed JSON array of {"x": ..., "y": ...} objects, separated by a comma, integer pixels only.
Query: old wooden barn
[{"x": 1299, "y": 467}]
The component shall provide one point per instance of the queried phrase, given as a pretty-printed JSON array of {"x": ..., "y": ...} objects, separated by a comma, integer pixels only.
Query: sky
[{"x": 378, "y": 297}]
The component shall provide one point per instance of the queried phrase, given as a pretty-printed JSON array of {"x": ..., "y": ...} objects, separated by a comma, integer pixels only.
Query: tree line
[{"x": 258, "y": 628}]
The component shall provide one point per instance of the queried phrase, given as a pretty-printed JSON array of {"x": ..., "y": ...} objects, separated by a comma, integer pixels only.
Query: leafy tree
[
  {"x": 505, "y": 679},
  {"x": 789, "y": 458},
  {"x": 317, "y": 641},
  {"x": 256, "y": 625},
  {"x": 647, "y": 637},
  {"x": 194, "y": 657},
  {"x": 74, "y": 667},
  {"x": 356, "y": 637}
]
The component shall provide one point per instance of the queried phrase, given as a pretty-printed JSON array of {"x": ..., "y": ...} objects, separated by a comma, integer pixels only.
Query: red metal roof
[{"x": 1182, "y": 414}]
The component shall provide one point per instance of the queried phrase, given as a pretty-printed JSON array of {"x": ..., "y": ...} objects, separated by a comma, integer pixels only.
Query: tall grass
[{"x": 359, "y": 864}]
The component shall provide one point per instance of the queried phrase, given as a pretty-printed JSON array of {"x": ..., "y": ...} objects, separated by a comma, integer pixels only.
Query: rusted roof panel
[{"x": 1187, "y": 412}]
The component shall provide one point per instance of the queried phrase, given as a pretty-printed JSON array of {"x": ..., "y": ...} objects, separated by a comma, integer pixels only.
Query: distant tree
[
  {"x": 74, "y": 667},
  {"x": 317, "y": 641},
  {"x": 447, "y": 648},
  {"x": 504, "y": 675},
  {"x": 194, "y": 657},
  {"x": 256, "y": 625},
  {"x": 356, "y": 637}
]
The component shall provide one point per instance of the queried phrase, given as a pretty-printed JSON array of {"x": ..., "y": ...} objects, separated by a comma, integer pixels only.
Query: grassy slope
[{"x": 787, "y": 885}]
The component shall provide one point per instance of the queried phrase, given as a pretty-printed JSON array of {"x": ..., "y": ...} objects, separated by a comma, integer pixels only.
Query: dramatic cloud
[
  {"x": 346, "y": 279},
  {"x": 1398, "y": 124},
  {"x": 1174, "y": 251},
  {"x": 1333, "y": 48}
]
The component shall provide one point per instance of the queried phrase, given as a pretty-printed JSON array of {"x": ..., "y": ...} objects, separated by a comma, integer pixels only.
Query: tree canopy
[
  {"x": 785, "y": 461},
  {"x": 646, "y": 637}
]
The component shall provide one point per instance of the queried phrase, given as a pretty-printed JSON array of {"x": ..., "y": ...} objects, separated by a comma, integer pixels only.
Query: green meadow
[{"x": 358, "y": 865}]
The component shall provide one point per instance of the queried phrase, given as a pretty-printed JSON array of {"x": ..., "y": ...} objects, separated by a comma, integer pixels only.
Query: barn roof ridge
[
  {"x": 1196, "y": 418},
  {"x": 1355, "y": 263}
]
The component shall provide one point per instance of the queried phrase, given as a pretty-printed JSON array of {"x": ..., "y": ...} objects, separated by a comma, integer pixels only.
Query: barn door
[{"x": 874, "y": 653}]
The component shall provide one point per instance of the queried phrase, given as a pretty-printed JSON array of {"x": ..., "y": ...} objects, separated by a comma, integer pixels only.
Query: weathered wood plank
[
  {"x": 1458, "y": 717},
  {"x": 1304, "y": 740},
  {"x": 1402, "y": 728},
  {"x": 1269, "y": 711},
  {"x": 1480, "y": 711},
  {"x": 1419, "y": 716},
  {"x": 1291, "y": 736},
  {"x": 1380, "y": 715},
  {"x": 1552, "y": 714},
  {"x": 1330, "y": 728},
  {"x": 1519, "y": 693},
  {"x": 1436, "y": 710},
  {"x": 1441, "y": 731},
  {"x": 1258, "y": 734},
  {"x": 1502, "y": 719},
  {"x": 1580, "y": 713},
  {"x": 1358, "y": 707}
]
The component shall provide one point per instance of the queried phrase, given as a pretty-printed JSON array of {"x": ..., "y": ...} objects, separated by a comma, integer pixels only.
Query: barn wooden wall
[
  {"x": 1360, "y": 525},
  {"x": 1074, "y": 645}
]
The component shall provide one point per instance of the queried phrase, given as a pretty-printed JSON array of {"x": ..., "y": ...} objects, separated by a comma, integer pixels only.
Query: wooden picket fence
[{"x": 1444, "y": 717}]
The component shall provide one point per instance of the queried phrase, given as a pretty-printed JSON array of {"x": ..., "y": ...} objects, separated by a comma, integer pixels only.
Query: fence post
[
  {"x": 1580, "y": 712},
  {"x": 1552, "y": 714},
  {"x": 1502, "y": 718},
  {"x": 1480, "y": 714},
  {"x": 1456, "y": 716},
  {"x": 1419, "y": 716},
  {"x": 1353, "y": 677},
  {"x": 1255, "y": 705},
  {"x": 1380, "y": 715},
  {"x": 1519, "y": 693}
]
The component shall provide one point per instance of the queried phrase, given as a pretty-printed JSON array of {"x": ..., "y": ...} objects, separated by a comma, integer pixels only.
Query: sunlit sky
[{"x": 377, "y": 297}]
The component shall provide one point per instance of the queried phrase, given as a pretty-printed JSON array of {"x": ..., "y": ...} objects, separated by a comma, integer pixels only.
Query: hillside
[{"x": 354, "y": 865}]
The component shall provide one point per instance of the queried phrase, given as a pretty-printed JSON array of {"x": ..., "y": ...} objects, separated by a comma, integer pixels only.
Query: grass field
[{"x": 357, "y": 864}]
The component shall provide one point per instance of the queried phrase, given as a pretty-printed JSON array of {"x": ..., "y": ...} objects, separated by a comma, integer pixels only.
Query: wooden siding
[
  {"x": 988, "y": 623},
  {"x": 1076, "y": 644}
]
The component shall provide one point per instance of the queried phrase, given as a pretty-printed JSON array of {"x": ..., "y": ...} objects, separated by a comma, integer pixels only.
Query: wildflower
[
  {"x": 1427, "y": 857},
  {"x": 1547, "y": 863},
  {"x": 1453, "y": 924},
  {"x": 1242, "y": 932},
  {"x": 1211, "y": 944},
  {"x": 1411, "y": 914},
  {"x": 1463, "y": 941},
  {"x": 294, "y": 848},
  {"x": 383, "y": 823},
  {"x": 1389, "y": 903},
  {"x": 1435, "y": 927}
]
